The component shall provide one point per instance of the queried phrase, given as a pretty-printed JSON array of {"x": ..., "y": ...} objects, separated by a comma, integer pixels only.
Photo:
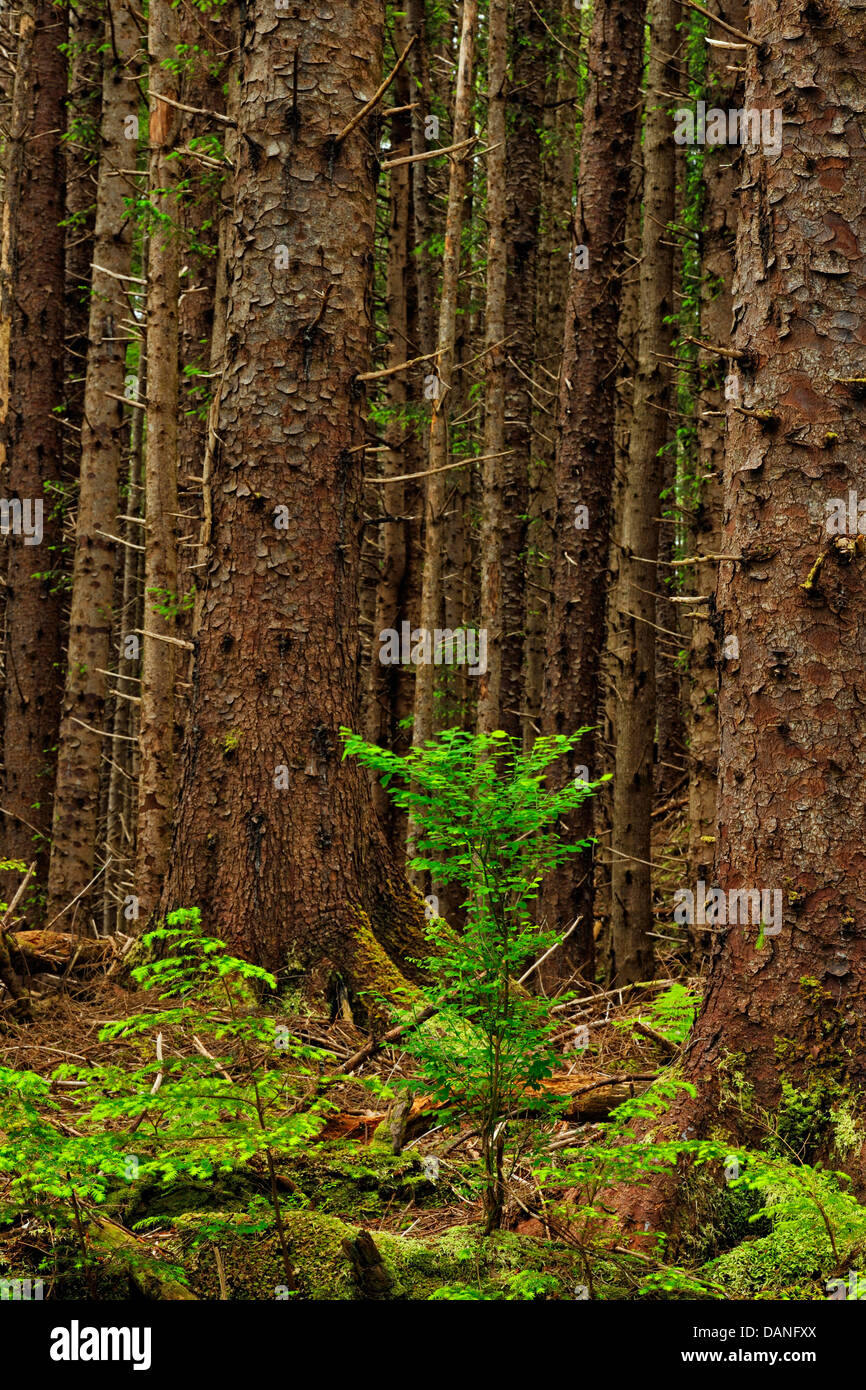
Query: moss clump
[
  {"x": 459, "y": 1259},
  {"x": 361, "y": 1186},
  {"x": 775, "y": 1266}
]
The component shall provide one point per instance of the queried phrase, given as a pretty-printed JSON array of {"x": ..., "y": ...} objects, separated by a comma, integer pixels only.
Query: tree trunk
[
  {"x": 436, "y": 489},
  {"x": 212, "y": 36},
  {"x": 275, "y": 837},
  {"x": 786, "y": 1002},
  {"x": 724, "y": 90},
  {"x": 79, "y": 759},
  {"x": 385, "y": 680},
  {"x": 32, "y": 283},
  {"x": 159, "y": 656},
  {"x": 585, "y": 444},
  {"x": 83, "y": 118},
  {"x": 559, "y": 144},
  {"x": 489, "y": 702},
  {"x": 635, "y": 647}
]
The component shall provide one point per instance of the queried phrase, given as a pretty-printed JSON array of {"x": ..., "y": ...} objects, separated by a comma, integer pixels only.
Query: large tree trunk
[
  {"x": 32, "y": 283},
  {"x": 159, "y": 652},
  {"x": 790, "y": 1006},
  {"x": 276, "y": 839},
  {"x": 635, "y": 647},
  {"x": 585, "y": 444},
  {"x": 76, "y": 795}
]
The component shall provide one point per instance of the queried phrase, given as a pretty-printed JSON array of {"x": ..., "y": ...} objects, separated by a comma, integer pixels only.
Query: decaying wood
[
  {"x": 51, "y": 950},
  {"x": 371, "y": 1276}
]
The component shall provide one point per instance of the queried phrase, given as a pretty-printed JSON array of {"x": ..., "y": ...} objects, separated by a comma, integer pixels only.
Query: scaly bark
[
  {"x": 789, "y": 1008},
  {"x": 275, "y": 838}
]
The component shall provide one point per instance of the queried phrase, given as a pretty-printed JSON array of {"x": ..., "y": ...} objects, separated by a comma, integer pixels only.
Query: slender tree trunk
[
  {"x": 120, "y": 825},
  {"x": 436, "y": 487},
  {"x": 627, "y": 336},
  {"x": 724, "y": 90},
  {"x": 79, "y": 759},
  {"x": 530, "y": 49},
  {"x": 276, "y": 840},
  {"x": 585, "y": 449},
  {"x": 421, "y": 214},
  {"x": 635, "y": 653},
  {"x": 212, "y": 37},
  {"x": 83, "y": 117},
  {"x": 787, "y": 1001},
  {"x": 159, "y": 656},
  {"x": 559, "y": 146},
  {"x": 384, "y": 680},
  {"x": 32, "y": 283},
  {"x": 489, "y": 701}
]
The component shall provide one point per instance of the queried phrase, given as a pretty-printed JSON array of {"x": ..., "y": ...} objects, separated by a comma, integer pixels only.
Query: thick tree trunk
[
  {"x": 786, "y": 1001},
  {"x": 585, "y": 448},
  {"x": 635, "y": 644},
  {"x": 79, "y": 759},
  {"x": 32, "y": 283},
  {"x": 275, "y": 838},
  {"x": 159, "y": 652}
]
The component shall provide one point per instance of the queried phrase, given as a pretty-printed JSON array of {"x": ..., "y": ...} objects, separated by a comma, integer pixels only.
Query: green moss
[
  {"x": 375, "y": 976},
  {"x": 775, "y": 1266},
  {"x": 418, "y": 1268}
]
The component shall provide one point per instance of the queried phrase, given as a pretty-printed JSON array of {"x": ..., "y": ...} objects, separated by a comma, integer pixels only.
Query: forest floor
[{"x": 365, "y": 1217}]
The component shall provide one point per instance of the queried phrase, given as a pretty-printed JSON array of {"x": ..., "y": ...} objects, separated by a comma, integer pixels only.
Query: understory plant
[
  {"x": 489, "y": 824},
  {"x": 211, "y": 1085}
]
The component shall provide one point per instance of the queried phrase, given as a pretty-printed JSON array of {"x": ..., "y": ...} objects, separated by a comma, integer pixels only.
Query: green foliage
[
  {"x": 488, "y": 824},
  {"x": 672, "y": 1013},
  {"x": 187, "y": 1112},
  {"x": 169, "y": 604}
]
